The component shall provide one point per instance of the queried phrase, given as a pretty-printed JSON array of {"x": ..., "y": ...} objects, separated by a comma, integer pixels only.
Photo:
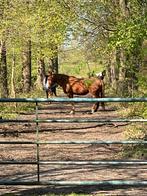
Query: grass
[
  {"x": 81, "y": 69},
  {"x": 12, "y": 110},
  {"x": 134, "y": 131},
  {"x": 74, "y": 62}
]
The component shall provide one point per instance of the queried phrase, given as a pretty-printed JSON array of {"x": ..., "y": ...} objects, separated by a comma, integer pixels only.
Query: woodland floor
[{"x": 62, "y": 152}]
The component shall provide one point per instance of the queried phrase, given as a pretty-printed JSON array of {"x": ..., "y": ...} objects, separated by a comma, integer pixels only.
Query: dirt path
[{"x": 64, "y": 152}]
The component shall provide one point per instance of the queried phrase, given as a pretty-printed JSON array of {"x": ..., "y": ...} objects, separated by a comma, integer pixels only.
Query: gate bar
[
  {"x": 105, "y": 162},
  {"x": 107, "y": 142},
  {"x": 90, "y": 120},
  {"x": 80, "y": 183},
  {"x": 59, "y": 99},
  {"x": 73, "y": 120}
]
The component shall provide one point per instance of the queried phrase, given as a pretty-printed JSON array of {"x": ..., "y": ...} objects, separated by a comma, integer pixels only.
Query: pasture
[{"x": 67, "y": 152}]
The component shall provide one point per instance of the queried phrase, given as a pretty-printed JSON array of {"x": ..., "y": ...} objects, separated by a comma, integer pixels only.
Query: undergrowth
[
  {"x": 135, "y": 131},
  {"x": 12, "y": 110}
]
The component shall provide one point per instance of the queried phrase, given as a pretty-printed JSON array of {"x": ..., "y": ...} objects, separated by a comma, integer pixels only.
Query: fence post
[{"x": 37, "y": 140}]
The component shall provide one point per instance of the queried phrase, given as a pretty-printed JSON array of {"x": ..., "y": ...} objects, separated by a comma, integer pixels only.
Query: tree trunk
[
  {"x": 136, "y": 63},
  {"x": 124, "y": 7},
  {"x": 122, "y": 85},
  {"x": 41, "y": 73},
  {"x": 3, "y": 71},
  {"x": 13, "y": 93},
  {"x": 26, "y": 70},
  {"x": 112, "y": 70},
  {"x": 129, "y": 62},
  {"x": 53, "y": 65},
  {"x": 53, "y": 62}
]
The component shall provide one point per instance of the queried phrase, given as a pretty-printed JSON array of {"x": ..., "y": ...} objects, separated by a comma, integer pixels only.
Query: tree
[
  {"x": 41, "y": 72},
  {"x": 26, "y": 69},
  {"x": 115, "y": 29},
  {"x": 3, "y": 70},
  {"x": 13, "y": 90},
  {"x": 112, "y": 31},
  {"x": 52, "y": 21},
  {"x": 128, "y": 39},
  {"x": 4, "y": 6}
]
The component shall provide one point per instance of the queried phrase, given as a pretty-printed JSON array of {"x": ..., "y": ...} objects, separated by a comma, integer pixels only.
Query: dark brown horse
[{"x": 78, "y": 86}]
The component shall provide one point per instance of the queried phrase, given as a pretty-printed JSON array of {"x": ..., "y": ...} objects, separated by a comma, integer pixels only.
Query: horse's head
[
  {"x": 48, "y": 85},
  {"x": 51, "y": 80}
]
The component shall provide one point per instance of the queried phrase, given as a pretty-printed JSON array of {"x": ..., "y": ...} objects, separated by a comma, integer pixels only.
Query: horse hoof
[
  {"x": 92, "y": 111},
  {"x": 72, "y": 112}
]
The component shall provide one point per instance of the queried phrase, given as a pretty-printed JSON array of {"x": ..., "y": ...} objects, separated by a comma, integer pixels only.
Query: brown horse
[{"x": 78, "y": 86}]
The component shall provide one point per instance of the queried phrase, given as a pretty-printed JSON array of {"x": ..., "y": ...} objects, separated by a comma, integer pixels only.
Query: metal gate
[{"x": 38, "y": 162}]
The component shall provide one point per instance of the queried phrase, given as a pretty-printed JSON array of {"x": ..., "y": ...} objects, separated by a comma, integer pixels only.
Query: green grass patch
[
  {"x": 135, "y": 132},
  {"x": 12, "y": 110}
]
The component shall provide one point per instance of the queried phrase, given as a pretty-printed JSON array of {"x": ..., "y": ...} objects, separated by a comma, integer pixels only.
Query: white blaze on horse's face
[{"x": 45, "y": 83}]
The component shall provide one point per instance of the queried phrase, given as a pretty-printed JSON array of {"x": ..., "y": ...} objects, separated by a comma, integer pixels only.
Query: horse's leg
[
  {"x": 103, "y": 105},
  {"x": 55, "y": 92},
  {"x": 47, "y": 94},
  {"x": 73, "y": 108},
  {"x": 102, "y": 96},
  {"x": 73, "y": 105},
  {"x": 95, "y": 106}
]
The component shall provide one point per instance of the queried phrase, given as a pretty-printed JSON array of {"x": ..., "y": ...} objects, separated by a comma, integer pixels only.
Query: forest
[
  {"x": 75, "y": 36},
  {"x": 79, "y": 38}
]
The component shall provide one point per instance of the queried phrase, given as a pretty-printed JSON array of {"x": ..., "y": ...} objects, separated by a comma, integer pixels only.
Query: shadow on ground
[{"x": 90, "y": 190}]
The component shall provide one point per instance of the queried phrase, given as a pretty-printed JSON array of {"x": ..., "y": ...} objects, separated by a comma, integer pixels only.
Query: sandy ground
[{"x": 66, "y": 152}]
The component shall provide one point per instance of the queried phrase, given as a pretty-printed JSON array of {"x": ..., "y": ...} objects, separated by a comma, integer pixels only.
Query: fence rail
[
  {"x": 79, "y": 183},
  {"x": 73, "y": 120},
  {"x": 37, "y": 142},
  {"x": 78, "y": 100}
]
